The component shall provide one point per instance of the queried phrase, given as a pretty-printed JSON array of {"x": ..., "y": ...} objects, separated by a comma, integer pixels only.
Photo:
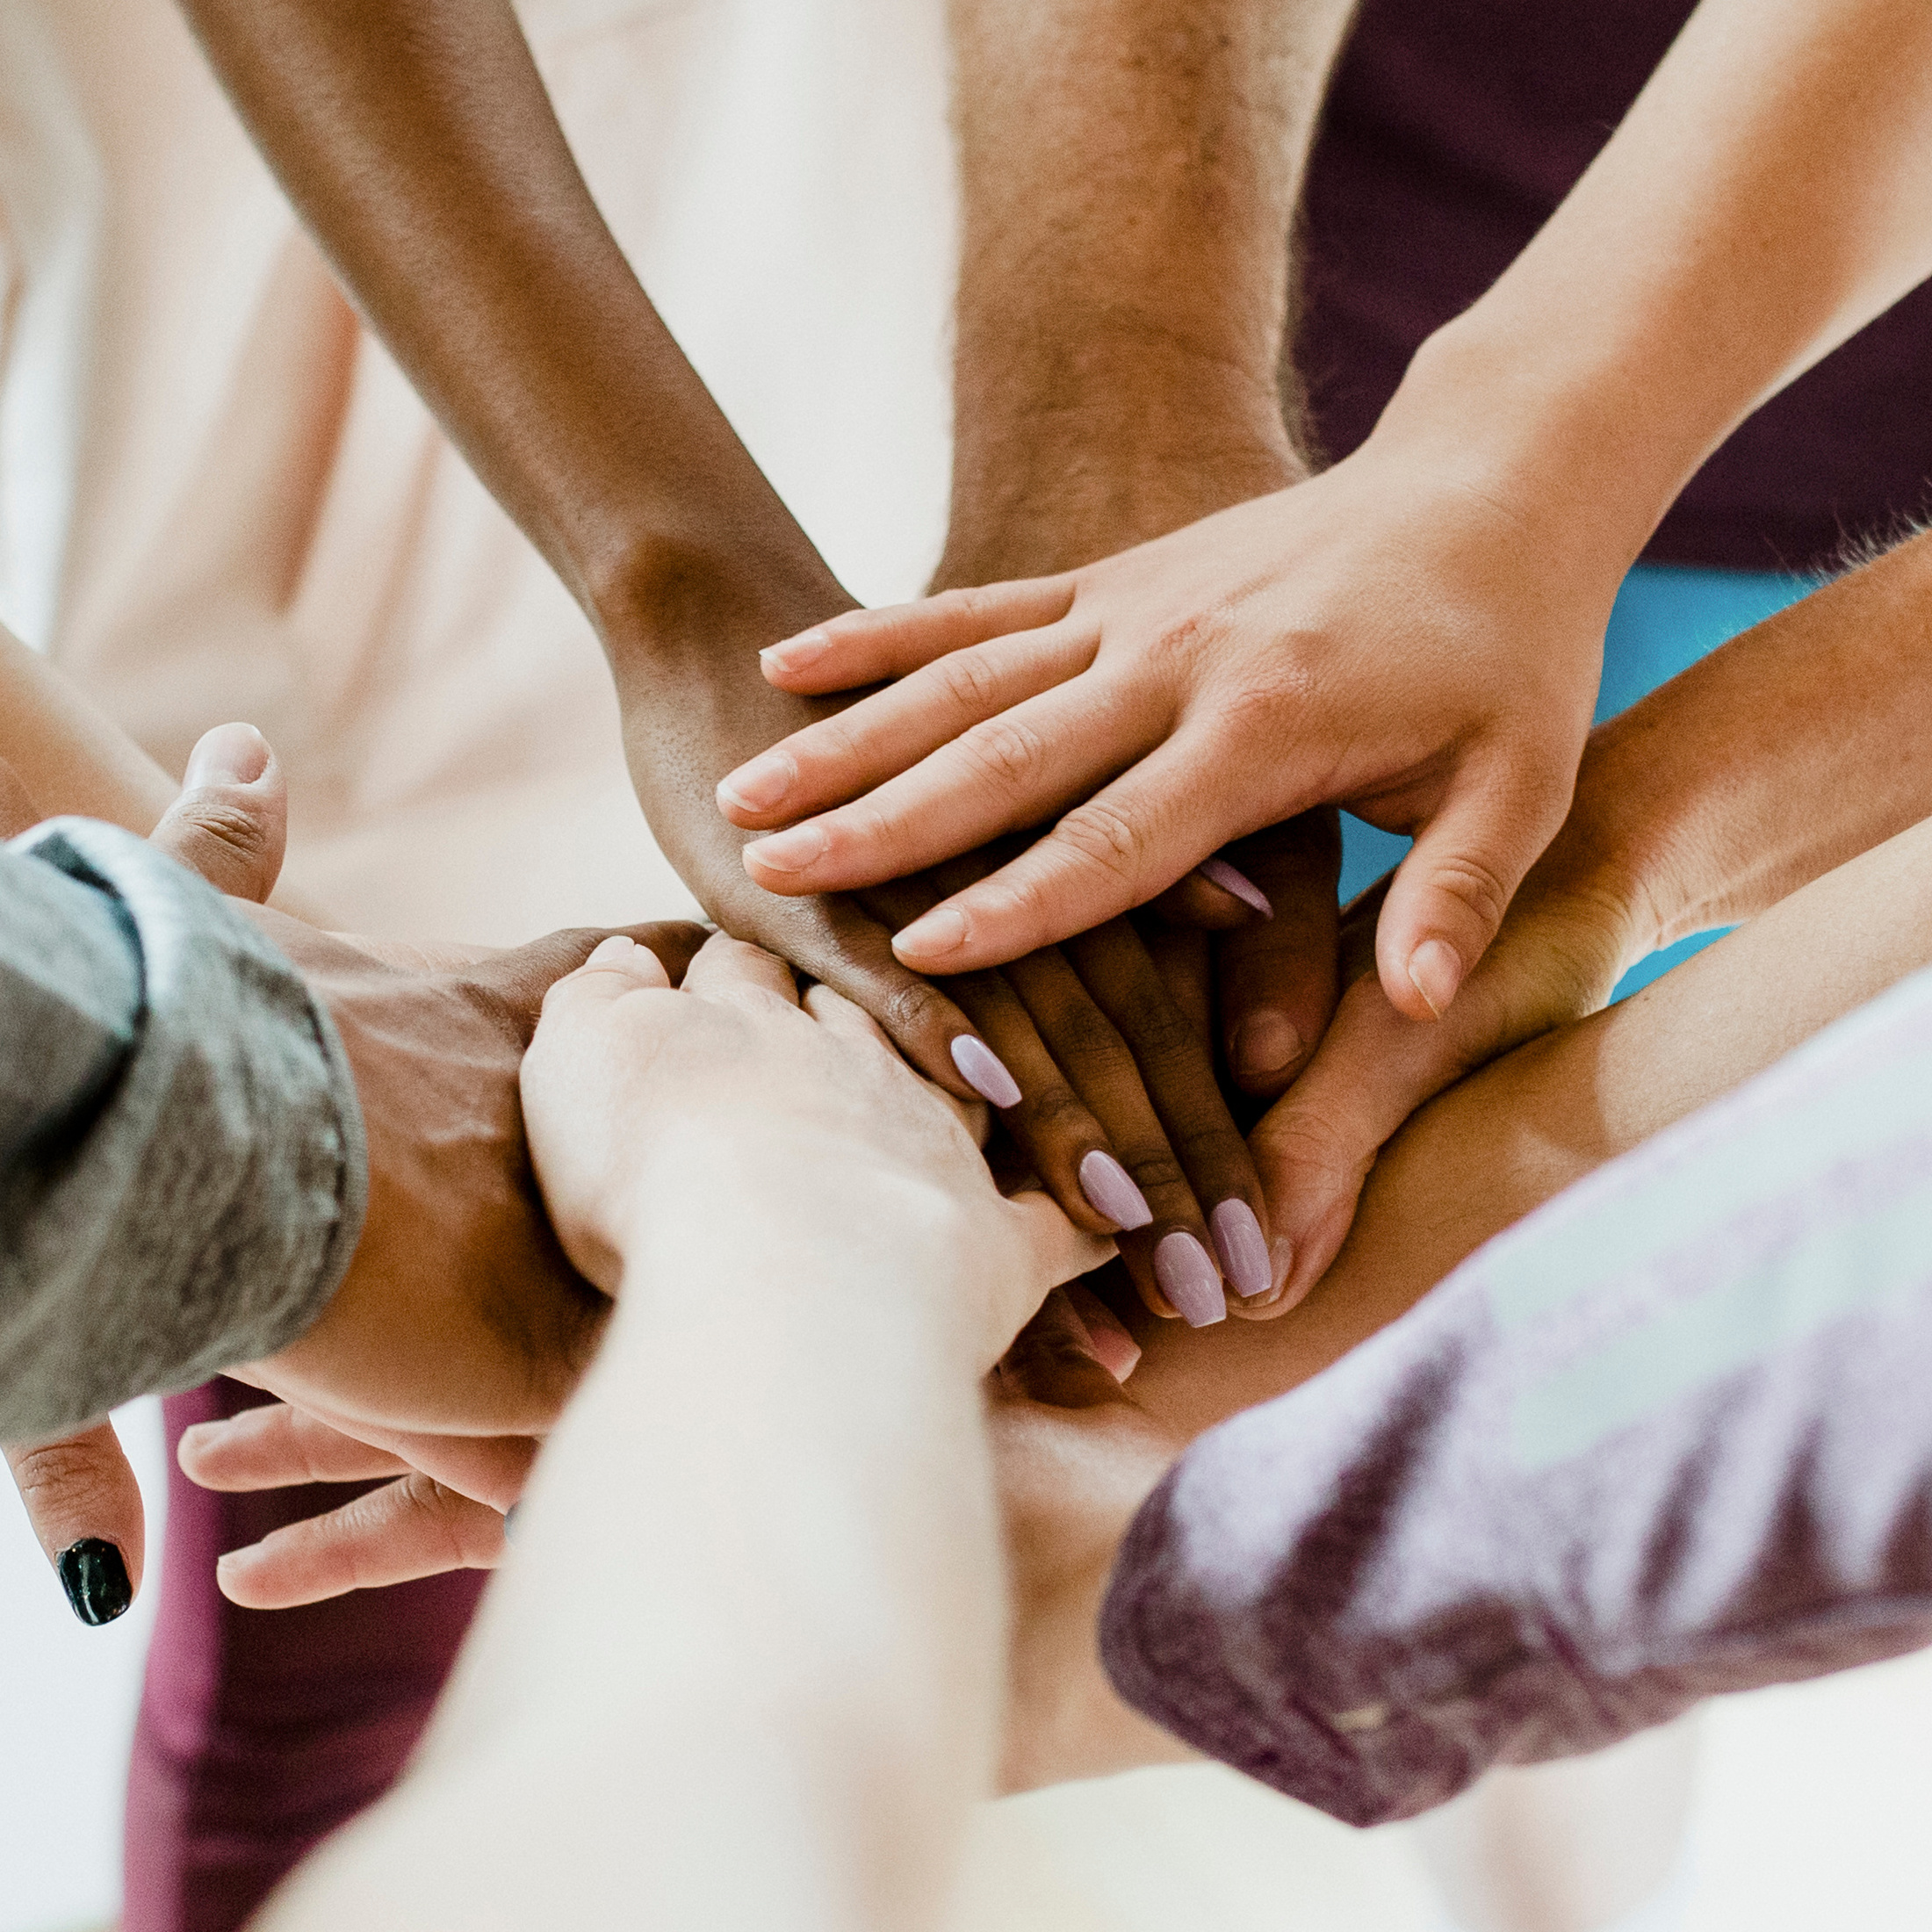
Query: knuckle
[
  {"x": 1312, "y": 1144},
  {"x": 60, "y": 1475},
  {"x": 220, "y": 829},
  {"x": 1099, "y": 837},
  {"x": 1005, "y": 754},
  {"x": 966, "y": 682},
  {"x": 1471, "y": 881}
]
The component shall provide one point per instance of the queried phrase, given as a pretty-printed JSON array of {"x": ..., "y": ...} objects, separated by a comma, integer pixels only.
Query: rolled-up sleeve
[
  {"x": 182, "y": 1169},
  {"x": 1667, "y": 1438}
]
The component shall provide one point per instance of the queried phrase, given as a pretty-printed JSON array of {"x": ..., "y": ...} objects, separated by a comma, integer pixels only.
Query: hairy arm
[{"x": 1130, "y": 170}]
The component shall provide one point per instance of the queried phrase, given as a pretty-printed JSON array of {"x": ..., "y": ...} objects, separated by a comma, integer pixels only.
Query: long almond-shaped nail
[
  {"x": 1190, "y": 1280},
  {"x": 94, "y": 1574},
  {"x": 1110, "y": 1189},
  {"x": 986, "y": 1073},
  {"x": 1243, "y": 1249},
  {"x": 790, "y": 851},
  {"x": 942, "y": 930},
  {"x": 796, "y": 653},
  {"x": 1219, "y": 872},
  {"x": 761, "y": 784}
]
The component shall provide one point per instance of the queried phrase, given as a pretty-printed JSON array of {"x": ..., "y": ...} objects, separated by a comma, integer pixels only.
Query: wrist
[
  {"x": 1548, "y": 429},
  {"x": 1060, "y": 458}
]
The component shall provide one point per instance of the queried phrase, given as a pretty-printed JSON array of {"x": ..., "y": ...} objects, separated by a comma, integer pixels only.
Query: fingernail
[
  {"x": 510, "y": 1522},
  {"x": 1435, "y": 970},
  {"x": 761, "y": 785},
  {"x": 1189, "y": 1280},
  {"x": 94, "y": 1574},
  {"x": 1243, "y": 1249},
  {"x": 230, "y": 754},
  {"x": 1110, "y": 1191},
  {"x": 1113, "y": 1348},
  {"x": 1219, "y": 872},
  {"x": 942, "y": 930},
  {"x": 1266, "y": 1042},
  {"x": 790, "y": 851},
  {"x": 1281, "y": 1253},
  {"x": 986, "y": 1073},
  {"x": 796, "y": 653}
]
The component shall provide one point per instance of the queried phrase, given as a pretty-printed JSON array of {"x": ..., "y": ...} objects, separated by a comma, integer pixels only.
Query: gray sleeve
[
  {"x": 1667, "y": 1438},
  {"x": 182, "y": 1169}
]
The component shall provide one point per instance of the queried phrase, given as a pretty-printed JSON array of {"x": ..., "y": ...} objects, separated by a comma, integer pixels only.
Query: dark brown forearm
[
  {"x": 416, "y": 139},
  {"x": 1130, "y": 172}
]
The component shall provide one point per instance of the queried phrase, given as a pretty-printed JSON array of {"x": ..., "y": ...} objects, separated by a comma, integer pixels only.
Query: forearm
[
  {"x": 70, "y": 756},
  {"x": 760, "y": 1578},
  {"x": 416, "y": 139},
  {"x": 1787, "y": 751},
  {"x": 1129, "y": 171},
  {"x": 1767, "y": 195}
]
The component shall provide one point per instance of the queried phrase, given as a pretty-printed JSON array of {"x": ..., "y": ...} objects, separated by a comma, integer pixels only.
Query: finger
[
  {"x": 1451, "y": 891},
  {"x": 18, "y": 810},
  {"x": 410, "y": 1528},
  {"x": 1006, "y": 773},
  {"x": 1277, "y": 978},
  {"x": 884, "y": 735},
  {"x": 1314, "y": 1148},
  {"x": 1059, "y": 1359},
  {"x": 1176, "y": 1067},
  {"x": 275, "y": 1447},
  {"x": 1118, "y": 850},
  {"x": 523, "y": 975},
  {"x": 84, "y": 1504},
  {"x": 618, "y": 967},
  {"x": 733, "y": 971},
  {"x": 1216, "y": 896},
  {"x": 230, "y": 823},
  {"x": 837, "y": 1014},
  {"x": 863, "y": 646}
]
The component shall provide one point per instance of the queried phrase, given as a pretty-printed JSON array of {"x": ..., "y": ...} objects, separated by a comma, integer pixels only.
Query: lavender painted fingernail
[
  {"x": 1243, "y": 1249},
  {"x": 986, "y": 1073},
  {"x": 1189, "y": 1280},
  {"x": 1219, "y": 872},
  {"x": 1110, "y": 1189}
]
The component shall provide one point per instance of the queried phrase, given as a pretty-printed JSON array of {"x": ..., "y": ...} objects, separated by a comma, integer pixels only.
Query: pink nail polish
[
  {"x": 1243, "y": 1249},
  {"x": 1110, "y": 1189},
  {"x": 790, "y": 851},
  {"x": 986, "y": 1073},
  {"x": 1219, "y": 872},
  {"x": 1190, "y": 1280},
  {"x": 1113, "y": 1348}
]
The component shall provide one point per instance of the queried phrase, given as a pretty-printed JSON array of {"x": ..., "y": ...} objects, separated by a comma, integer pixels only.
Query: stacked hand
[{"x": 460, "y": 1314}]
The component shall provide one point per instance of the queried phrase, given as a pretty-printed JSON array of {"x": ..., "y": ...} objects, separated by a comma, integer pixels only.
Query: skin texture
[
  {"x": 850, "y": 1389},
  {"x": 1415, "y": 633},
  {"x": 783, "y": 1207},
  {"x": 418, "y": 142}
]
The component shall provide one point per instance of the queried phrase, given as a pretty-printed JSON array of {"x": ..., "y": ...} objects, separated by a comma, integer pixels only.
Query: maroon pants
[{"x": 261, "y": 1730}]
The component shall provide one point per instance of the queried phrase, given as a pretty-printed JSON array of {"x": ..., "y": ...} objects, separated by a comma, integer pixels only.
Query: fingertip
[
  {"x": 230, "y": 754},
  {"x": 94, "y": 1574},
  {"x": 786, "y": 663},
  {"x": 932, "y": 941},
  {"x": 1435, "y": 970}
]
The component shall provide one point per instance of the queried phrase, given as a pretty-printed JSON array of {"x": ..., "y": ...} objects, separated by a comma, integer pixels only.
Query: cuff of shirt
[{"x": 208, "y": 1209}]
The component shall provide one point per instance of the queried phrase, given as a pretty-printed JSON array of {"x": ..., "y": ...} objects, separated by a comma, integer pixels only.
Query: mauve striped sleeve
[{"x": 1670, "y": 1435}]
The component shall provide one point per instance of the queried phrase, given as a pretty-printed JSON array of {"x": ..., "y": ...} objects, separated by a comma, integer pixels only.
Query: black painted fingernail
[{"x": 94, "y": 1574}]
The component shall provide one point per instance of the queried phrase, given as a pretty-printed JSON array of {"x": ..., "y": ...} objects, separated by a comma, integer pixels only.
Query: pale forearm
[
  {"x": 1129, "y": 170},
  {"x": 71, "y": 756},
  {"x": 1767, "y": 194},
  {"x": 1787, "y": 751},
  {"x": 758, "y": 1578}
]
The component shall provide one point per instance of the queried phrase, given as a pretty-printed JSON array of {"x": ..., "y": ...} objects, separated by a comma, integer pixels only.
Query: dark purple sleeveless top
[{"x": 1453, "y": 130}]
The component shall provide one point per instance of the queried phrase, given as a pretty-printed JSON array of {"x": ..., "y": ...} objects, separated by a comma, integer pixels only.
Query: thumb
[
  {"x": 1450, "y": 893},
  {"x": 85, "y": 1505},
  {"x": 230, "y": 823},
  {"x": 618, "y": 966}
]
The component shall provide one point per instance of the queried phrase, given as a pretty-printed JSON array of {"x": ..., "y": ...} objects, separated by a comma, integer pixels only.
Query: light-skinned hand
[{"x": 1388, "y": 637}]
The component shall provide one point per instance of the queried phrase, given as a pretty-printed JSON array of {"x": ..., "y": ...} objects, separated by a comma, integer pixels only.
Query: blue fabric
[{"x": 1666, "y": 617}]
